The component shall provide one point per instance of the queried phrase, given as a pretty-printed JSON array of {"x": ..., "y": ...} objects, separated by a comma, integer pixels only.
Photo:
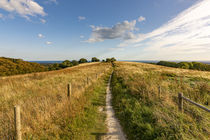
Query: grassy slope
[
  {"x": 46, "y": 112},
  {"x": 10, "y": 66},
  {"x": 144, "y": 115},
  {"x": 90, "y": 123}
]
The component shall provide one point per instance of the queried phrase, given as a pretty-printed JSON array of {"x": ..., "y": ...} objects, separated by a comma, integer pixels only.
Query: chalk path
[{"x": 114, "y": 129}]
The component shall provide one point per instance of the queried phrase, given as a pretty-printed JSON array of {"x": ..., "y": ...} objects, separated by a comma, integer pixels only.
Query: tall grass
[
  {"x": 144, "y": 114},
  {"x": 43, "y": 100}
]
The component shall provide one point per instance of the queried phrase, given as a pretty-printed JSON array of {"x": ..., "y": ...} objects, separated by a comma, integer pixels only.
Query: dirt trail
[{"x": 114, "y": 129}]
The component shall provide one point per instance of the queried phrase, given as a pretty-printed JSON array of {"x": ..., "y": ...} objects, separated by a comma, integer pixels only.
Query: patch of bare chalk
[{"x": 114, "y": 129}]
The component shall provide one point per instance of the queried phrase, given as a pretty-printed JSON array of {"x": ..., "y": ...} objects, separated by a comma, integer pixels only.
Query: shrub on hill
[
  {"x": 83, "y": 60},
  {"x": 186, "y": 65},
  {"x": 111, "y": 59},
  {"x": 62, "y": 65},
  {"x": 94, "y": 59},
  {"x": 74, "y": 62}
]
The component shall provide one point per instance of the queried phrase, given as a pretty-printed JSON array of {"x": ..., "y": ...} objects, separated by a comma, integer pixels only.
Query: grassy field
[
  {"x": 46, "y": 112},
  {"x": 146, "y": 115}
]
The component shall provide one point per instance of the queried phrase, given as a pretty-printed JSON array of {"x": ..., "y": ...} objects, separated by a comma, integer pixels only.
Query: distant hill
[{"x": 11, "y": 66}]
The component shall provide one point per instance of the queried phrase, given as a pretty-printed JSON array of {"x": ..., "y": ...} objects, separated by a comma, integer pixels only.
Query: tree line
[
  {"x": 11, "y": 66},
  {"x": 186, "y": 65},
  {"x": 68, "y": 63}
]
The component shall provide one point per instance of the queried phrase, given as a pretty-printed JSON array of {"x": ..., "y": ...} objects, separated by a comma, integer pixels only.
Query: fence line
[
  {"x": 17, "y": 117},
  {"x": 181, "y": 97}
]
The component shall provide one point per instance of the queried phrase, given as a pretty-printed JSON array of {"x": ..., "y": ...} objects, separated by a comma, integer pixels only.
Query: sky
[{"x": 124, "y": 29}]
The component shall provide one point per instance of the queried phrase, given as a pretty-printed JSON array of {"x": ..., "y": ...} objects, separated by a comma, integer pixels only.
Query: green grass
[
  {"x": 136, "y": 118},
  {"x": 146, "y": 116},
  {"x": 89, "y": 123}
]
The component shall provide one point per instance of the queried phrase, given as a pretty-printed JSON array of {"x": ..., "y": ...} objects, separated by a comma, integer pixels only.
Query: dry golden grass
[
  {"x": 43, "y": 99},
  {"x": 142, "y": 81},
  {"x": 157, "y": 68}
]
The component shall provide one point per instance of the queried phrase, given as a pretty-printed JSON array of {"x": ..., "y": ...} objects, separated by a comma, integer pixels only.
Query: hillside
[
  {"x": 10, "y": 66},
  {"x": 46, "y": 110},
  {"x": 146, "y": 114},
  {"x": 144, "y": 110}
]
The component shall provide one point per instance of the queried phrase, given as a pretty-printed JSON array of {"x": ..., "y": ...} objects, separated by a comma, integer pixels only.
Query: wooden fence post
[
  {"x": 159, "y": 91},
  {"x": 69, "y": 90},
  {"x": 87, "y": 81},
  {"x": 180, "y": 101},
  {"x": 17, "y": 123}
]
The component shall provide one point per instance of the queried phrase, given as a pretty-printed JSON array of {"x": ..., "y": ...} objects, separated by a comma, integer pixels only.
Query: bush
[
  {"x": 166, "y": 63},
  {"x": 184, "y": 65},
  {"x": 94, "y": 59},
  {"x": 110, "y": 59},
  {"x": 65, "y": 64},
  {"x": 83, "y": 60},
  {"x": 74, "y": 62}
]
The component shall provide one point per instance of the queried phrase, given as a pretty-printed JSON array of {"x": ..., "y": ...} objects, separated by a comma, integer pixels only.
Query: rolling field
[
  {"x": 146, "y": 114},
  {"x": 46, "y": 112},
  {"x": 144, "y": 100}
]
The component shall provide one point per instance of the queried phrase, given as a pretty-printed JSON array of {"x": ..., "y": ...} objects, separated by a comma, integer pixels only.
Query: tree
[
  {"x": 108, "y": 59},
  {"x": 183, "y": 65},
  {"x": 94, "y": 59},
  {"x": 113, "y": 59},
  {"x": 65, "y": 64},
  {"x": 74, "y": 62},
  {"x": 83, "y": 60},
  {"x": 169, "y": 64}
]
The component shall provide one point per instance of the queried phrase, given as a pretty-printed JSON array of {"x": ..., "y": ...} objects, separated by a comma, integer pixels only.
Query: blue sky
[{"x": 125, "y": 29}]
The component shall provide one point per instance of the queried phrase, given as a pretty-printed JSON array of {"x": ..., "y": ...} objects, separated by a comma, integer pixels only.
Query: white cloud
[
  {"x": 48, "y": 43},
  {"x": 120, "y": 30},
  {"x": 24, "y": 8},
  {"x": 116, "y": 49},
  {"x": 41, "y": 36},
  {"x": 51, "y": 1},
  {"x": 185, "y": 36},
  {"x": 81, "y": 18},
  {"x": 43, "y": 20},
  {"x": 81, "y": 36},
  {"x": 129, "y": 35},
  {"x": 141, "y": 18}
]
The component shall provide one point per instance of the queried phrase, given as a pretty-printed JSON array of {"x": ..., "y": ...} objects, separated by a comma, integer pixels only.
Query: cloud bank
[
  {"x": 187, "y": 36},
  {"x": 24, "y": 8}
]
